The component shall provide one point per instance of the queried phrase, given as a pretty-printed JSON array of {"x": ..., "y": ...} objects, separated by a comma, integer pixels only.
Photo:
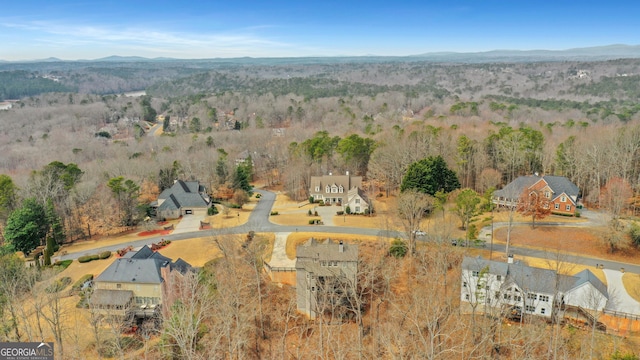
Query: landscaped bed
[{"x": 154, "y": 232}]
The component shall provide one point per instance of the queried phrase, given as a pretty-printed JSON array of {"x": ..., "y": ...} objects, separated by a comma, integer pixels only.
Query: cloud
[{"x": 242, "y": 42}]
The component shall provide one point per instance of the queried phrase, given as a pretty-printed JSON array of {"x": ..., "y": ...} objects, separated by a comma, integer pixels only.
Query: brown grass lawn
[
  {"x": 77, "y": 270},
  {"x": 572, "y": 240},
  {"x": 298, "y": 219},
  {"x": 236, "y": 216},
  {"x": 194, "y": 251},
  {"x": 298, "y": 238},
  {"x": 632, "y": 284}
]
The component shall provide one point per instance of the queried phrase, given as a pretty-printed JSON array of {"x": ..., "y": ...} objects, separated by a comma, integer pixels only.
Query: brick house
[{"x": 561, "y": 193}]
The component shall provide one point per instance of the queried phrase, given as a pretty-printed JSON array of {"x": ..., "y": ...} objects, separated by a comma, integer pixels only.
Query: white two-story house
[{"x": 516, "y": 288}]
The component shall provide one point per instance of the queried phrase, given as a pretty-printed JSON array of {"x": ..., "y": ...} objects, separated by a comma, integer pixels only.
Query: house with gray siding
[{"x": 325, "y": 277}]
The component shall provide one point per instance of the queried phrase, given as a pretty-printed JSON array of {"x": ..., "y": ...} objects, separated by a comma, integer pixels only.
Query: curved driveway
[{"x": 259, "y": 222}]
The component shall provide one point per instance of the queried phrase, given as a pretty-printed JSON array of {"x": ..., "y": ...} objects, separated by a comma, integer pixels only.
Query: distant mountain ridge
[{"x": 607, "y": 52}]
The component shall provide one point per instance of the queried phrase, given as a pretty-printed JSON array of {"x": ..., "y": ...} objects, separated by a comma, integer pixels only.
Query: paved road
[
  {"x": 259, "y": 222},
  {"x": 154, "y": 130}
]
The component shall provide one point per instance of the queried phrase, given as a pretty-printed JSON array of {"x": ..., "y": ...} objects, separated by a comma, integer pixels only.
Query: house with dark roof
[
  {"x": 325, "y": 276},
  {"x": 560, "y": 192},
  {"x": 515, "y": 287},
  {"x": 182, "y": 198},
  {"x": 340, "y": 190},
  {"x": 136, "y": 284}
]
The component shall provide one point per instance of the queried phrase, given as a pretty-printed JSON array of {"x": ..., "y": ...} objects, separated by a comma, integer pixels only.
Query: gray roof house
[
  {"x": 499, "y": 286},
  {"x": 339, "y": 189},
  {"x": 561, "y": 193},
  {"x": 325, "y": 276},
  {"x": 182, "y": 198},
  {"x": 136, "y": 284}
]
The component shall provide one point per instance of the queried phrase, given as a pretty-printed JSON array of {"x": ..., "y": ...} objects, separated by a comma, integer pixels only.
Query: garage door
[{"x": 188, "y": 212}]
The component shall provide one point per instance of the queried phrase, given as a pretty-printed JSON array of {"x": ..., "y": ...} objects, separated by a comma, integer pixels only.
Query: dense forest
[{"x": 81, "y": 148}]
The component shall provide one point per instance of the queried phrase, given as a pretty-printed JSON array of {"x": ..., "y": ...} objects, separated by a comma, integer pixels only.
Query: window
[
  {"x": 464, "y": 284},
  {"x": 563, "y": 198},
  {"x": 544, "y": 298},
  {"x": 317, "y": 188},
  {"x": 118, "y": 286},
  {"x": 542, "y": 310},
  {"x": 557, "y": 206},
  {"x": 357, "y": 201},
  {"x": 530, "y": 308},
  {"x": 479, "y": 286},
  {"x": 517, "y": 298},
  {"x": 327, "y": 189},
  {"x": 475, "y": 273},
  {"x": 313, "y": 288},
  {"x": 532, "y": 296},
  {"x": 334, "y": 189},
  {"x": 568, "y": 207},
  {"x": 499, "y": 277},
  {"x": 357, "y": 209},
  {"x": 547, "y": 194},
  {"x": 506, "y": 296},
  {"x": 466, "y": 297},
  {"x": 497, "y": 295},
  {"x": 341, "y": 189}
]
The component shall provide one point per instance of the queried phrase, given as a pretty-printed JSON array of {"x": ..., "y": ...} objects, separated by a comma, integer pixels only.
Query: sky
[{"x": 72, "y": 30}]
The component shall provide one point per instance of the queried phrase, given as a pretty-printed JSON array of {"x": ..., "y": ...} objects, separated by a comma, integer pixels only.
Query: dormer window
[
  {"x": 334, "y": 189},
  {"x": 341, "y": 189},
  {"x": 317, "y": 188},
  {"x": 547, "y": 194},
  {"x": 327, "y": 189}
]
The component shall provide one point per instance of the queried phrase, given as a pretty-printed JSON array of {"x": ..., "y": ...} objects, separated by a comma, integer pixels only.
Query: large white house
[
  {"x": 344, "y": 190},
  {"x": 519, "y": 288}
]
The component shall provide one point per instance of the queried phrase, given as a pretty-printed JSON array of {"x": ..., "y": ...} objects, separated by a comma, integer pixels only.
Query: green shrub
[
  {"x": 78, "y": 284},
  {"x": 398, "y": 248},
  {"x": 348, "y": 210},
  {"x": 309, "y": 212},
  {"x": 311, "y": 200},
  {"x": 274, "y": 213},
  {"x": 105, "y": 255},
  {"x": 94, "y": 257},
  {"x": 634, "y": 233},
  {"x": 258, "y": 196},
  {"x": 63, "y": 264},
  {"x": 340, "y": 212},
  {"x": 313, "y": 221},
  {"x": 104, "y": 134},
  {"x": 84, "y": 259},
  {"x": 213, "y": 210}
]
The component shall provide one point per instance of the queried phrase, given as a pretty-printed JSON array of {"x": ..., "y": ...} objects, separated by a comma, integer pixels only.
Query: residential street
[{"x": 259, "y": 222}]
